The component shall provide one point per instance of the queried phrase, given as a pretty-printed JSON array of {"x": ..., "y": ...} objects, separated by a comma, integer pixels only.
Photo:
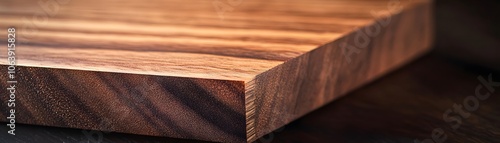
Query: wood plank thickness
[{"x": 184, "y": 69}]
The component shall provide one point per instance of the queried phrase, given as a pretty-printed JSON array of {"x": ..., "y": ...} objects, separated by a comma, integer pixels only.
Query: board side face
[
  {"x": 182, "y": 38},
  {"x": 308, "y": 82},
  {"x": 201, "y": 109}
]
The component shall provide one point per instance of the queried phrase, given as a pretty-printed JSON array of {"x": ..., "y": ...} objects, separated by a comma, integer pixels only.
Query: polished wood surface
[
  {"x": 181, "y": 69},
  {"x": 182, "y": 38}
]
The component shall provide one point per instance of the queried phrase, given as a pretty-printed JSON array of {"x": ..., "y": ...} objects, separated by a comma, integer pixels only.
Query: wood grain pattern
[
  {"x": 174, "y": 68},
  {"x": 162, "y": 106}
]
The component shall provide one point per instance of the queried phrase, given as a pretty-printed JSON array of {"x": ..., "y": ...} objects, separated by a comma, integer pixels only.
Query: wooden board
[{"x": 181, "y": 69}]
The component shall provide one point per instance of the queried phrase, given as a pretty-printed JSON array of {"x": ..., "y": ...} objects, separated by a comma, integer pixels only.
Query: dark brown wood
[
  {"x": 130, "y": 103},
  {"x": 176, "y": 69}
]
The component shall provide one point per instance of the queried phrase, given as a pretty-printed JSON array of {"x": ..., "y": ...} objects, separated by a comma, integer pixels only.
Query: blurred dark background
[
  {"x": 469, "y": 30},
  {"x": 404, "y": 106}
]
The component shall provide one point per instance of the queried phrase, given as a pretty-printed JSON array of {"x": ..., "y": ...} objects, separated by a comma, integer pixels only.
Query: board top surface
[{"x": 181, "y": 38}]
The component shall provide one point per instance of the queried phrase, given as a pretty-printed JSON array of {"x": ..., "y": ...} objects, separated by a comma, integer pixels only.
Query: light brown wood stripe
[{"x": 164, "y": 64}]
